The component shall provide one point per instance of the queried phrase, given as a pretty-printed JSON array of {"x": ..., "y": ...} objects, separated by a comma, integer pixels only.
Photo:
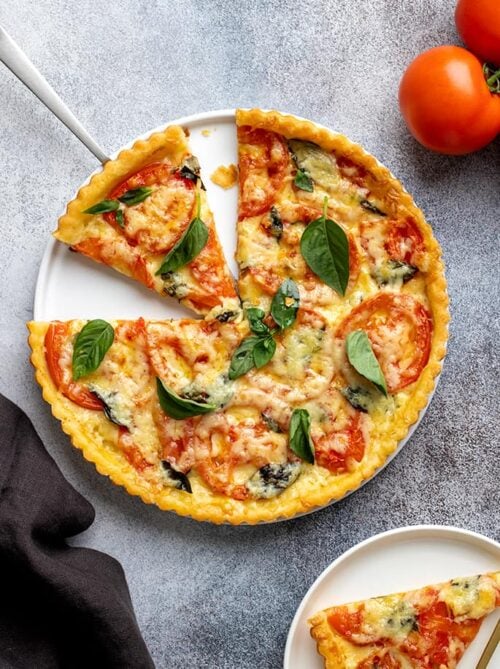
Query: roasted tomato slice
[
  {"x": 336, "y": 450},
  {"x": 400, "y": 331},
  {"x": 117, "y": 254},
  {"x": 156, "y": 223},
  {"x": 405, "y": 241},
  {"x": 131, "y": 451},
  {"x": 346, "y": 623},
  {"x": 209, "y": 270},
  {"x": 354, "y": 173},
  {"x": 55, "y": 339},
  {"x": 263, "y": 160}
]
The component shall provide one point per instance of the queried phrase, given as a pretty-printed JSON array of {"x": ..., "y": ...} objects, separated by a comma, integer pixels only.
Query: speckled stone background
[{"x": 223, "y": 597}]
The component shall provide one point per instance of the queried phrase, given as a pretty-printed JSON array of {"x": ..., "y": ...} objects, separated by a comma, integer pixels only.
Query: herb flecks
[{"x": 325, "y": 248}]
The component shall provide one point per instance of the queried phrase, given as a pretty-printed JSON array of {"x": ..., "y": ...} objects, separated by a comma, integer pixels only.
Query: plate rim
[
  {"x": 221, "y": 115},
  {"x": 452, "y": 530}
]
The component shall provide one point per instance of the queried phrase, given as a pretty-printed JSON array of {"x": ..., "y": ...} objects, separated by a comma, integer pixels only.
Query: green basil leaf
[
  {"x": 263, "y": 351},
  {"x": 362, "y": 358},
  {"x": 300, "y": 435},
  {"x": 303, "y": 181},
  {"x": 119, "y": 218},
  {"x": 243, "y": 360},
  {"x": 255, "y": 317},
  {"x": 187, "y": 248},
  {"x": 366, "y": 204},
  {"x": 135, "y": 195},
  {"x": 178, "y": 407},
  {"x": 285, "y": 304},
  {"x": 325, "y": 248},
  {"x": 91, "y": 345},
  {"x": 102, "y": 207}
]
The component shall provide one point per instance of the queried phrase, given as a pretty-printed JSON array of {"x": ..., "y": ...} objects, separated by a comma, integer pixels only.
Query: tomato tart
[
  {"x": 289, "y": 394},
  {"x": 428, "y": 628}
]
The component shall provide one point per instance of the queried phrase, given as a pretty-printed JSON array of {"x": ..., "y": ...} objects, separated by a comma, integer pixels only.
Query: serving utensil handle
[{"x": 20, "y": 65}]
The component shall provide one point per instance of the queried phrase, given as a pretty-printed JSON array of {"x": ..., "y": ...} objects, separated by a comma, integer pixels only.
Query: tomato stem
[{"x": 492, "y": 78}]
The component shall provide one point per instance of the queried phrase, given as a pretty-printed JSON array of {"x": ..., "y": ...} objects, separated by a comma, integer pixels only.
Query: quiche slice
[
  {"x": 428, "y": 628},
  {"x": 146, "y": 215}
]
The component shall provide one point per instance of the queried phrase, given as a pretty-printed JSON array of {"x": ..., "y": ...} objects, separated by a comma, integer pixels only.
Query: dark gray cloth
[{"x": 59, "y": 606}]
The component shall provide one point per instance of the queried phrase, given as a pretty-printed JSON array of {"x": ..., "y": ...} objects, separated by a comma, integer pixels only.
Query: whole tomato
[
  {"x": 478, "y": 24},
  {"x": 446, "y": 102}
]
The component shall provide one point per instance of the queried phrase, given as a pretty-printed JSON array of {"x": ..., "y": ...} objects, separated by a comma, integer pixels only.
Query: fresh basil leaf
[
  {"x": 285, "y": 304},
  {"x": 300, "y": 437},
  {"x": 135, "y": 195},
  {"x": 366, "y": 204},
  {"x": 243, "y": 360},
  {"x": 362, "y": 358},
  {"x": 325, "y": 248},
  {"x": 303, "y": 181},
  {"x": 263, "y": 351},
  {"x": 255, "y": 317},
  {"x": 177, "y": 407},
  {"x": 119, "y": 218},
  {"x": 91, "y": 345},
  {"x": 102, "y": 207},
  {"x": 187, "y": 248}
]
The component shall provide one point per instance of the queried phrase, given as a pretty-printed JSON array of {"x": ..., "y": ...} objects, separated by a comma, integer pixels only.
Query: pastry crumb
[
  {"x": 206, "y": 132},
  {"x": 225, "y": 176}
]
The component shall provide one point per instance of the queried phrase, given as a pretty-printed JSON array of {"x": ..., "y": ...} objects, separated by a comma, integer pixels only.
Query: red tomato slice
[
  {"x": 263, "y": 153},
  {"x": 405, "y": 320},
  {"x": 405, "y": 241},
  {"x": 350, "y": 443},
  {"x": 209, "y": 270},
  {"x": 351, "y": 171},
  {"x": 162, "y": 228},
  {"x": 119, "y": 255},
  {"x": 131, "y": 451},
  {"x": 55, "y": 338},
  {"x": 345, "y": 622}
]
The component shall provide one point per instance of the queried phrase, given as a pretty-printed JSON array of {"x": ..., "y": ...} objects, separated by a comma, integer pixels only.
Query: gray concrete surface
[{"x": 222, "y": 597}]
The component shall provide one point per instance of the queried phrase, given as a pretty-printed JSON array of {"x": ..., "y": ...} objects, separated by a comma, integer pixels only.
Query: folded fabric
[{"x": 59, "y": 606}]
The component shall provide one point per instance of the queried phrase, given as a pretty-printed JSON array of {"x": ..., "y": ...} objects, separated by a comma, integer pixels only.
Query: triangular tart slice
[
  {"x": 428, "y": 628},
  {"x": 141, "y": 216}
]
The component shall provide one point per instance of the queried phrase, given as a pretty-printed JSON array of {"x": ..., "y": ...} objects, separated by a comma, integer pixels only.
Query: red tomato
[
  {"x": 131, "y": 451},
  {"x": 208, "y": 270},
  {"x": 345, "y": 622},
  {"x": 478, "y": 24},
  {"x": 264, "y": 153},
  {"x": 408, "y": 321},
  {"x": 55, "y": 338},
  {"x": 352, "y": 444},
  {"x": 161, "y": 232},
  {"x": 446, "y": 103},
  {"x": 405, "y": 241}
]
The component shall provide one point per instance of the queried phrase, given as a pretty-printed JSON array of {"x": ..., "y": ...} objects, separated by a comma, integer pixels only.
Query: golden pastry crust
[{"x": 316, "y": 486}]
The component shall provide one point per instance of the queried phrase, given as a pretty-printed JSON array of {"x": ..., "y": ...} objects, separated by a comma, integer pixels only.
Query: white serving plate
[
  {"x": 69, "y": 285},
  {"x": 395, "y": 561}
]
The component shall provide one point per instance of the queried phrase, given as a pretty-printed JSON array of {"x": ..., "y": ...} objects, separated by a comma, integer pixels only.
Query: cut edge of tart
[{"x": 316, "y": 486}]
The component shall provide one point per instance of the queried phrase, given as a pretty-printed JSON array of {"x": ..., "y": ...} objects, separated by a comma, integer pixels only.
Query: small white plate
[{"x": 395, "y": 561}]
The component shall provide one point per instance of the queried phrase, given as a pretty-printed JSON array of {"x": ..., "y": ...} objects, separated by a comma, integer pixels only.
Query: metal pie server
[{"x": 20, "y": 65}]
